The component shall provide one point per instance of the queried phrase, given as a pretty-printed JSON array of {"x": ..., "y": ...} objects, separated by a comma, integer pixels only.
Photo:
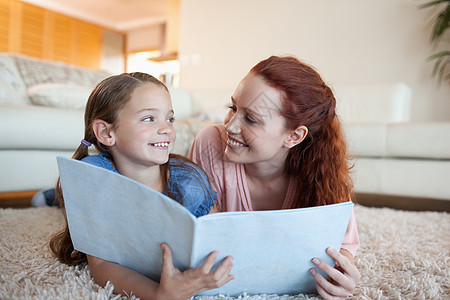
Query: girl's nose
[{"x": 165, "y": 128}]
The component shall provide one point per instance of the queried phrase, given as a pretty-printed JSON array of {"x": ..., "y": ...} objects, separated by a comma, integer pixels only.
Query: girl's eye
[
  {"x": 148, "y": 119},
  {"x": 171, "y": 120}
]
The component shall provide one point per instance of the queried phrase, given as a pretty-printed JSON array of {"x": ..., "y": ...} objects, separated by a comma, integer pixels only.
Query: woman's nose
[{"x": 233, "y": 126}]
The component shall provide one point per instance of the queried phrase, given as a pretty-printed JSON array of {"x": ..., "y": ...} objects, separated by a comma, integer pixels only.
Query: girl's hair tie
[{"x": 84, "y": 142}]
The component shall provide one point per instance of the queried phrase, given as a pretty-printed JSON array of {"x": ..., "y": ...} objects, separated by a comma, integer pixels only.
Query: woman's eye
[
  {"x": 148, "y": 119},
  {"x": 232, "y": 107},
  {"x": 251, "y": 120}
]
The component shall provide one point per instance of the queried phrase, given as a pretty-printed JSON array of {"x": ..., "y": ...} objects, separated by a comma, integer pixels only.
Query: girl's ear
[
  {"x": 102, "y": 131},
  {"x": 296, "y": 137}
]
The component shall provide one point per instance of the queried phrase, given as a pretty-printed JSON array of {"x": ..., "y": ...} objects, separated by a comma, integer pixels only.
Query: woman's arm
[
  {"x": 174, "y": 283},
  {"x": 343, "y": 277}
]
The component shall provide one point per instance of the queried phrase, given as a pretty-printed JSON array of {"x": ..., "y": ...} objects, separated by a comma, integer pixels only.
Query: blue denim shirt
[{"x": 188, "y": 183}]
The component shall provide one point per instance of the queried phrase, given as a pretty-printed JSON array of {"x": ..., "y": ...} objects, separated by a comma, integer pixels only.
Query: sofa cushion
[
  {"x": 426, "y": 140},
  {"x": 37, "y": 127},
  {"x": 35, "y": 71},
  {"x": 402, "y": 177},
  {"x": 12, "y": 88},
  {"x": 421, "y": 140},
  {"x": 366, "y": 139},
  {"x": 24, "y": 170},
  {"x": 374, "y": 103},
  {"x": 59, "y": 95}
]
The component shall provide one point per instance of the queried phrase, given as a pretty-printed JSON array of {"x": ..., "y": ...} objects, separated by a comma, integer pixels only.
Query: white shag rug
[{"x": 403, "y": 255}]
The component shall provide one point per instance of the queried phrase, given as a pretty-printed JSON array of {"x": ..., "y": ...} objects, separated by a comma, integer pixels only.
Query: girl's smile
[{"x": 161, "y": 145}]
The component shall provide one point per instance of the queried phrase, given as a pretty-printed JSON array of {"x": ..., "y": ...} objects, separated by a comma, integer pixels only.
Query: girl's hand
[
  {"x": 175, "y": 284},
  {"x": 343, "y": 277}
]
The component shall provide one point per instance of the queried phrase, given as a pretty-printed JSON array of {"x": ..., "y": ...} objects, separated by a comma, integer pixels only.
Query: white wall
[
  {"x": 145, "y": 38},
  {"x": 350, "y": 42}
]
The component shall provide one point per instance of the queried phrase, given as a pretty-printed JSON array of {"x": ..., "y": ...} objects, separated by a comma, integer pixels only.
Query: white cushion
[
  {"x": 420, "y": 140},
  {"x": 38, "y": 127},
  {"x": 366, "y": 139},
  {"x": 12, "y": 88},
  {"x": 402, "y": 177},
  {"x": 29, "y": 170},
  {"x": 426, "y": 140},
  {"x": 375, "y": 103},
  {"x": 59, "y": 95}
]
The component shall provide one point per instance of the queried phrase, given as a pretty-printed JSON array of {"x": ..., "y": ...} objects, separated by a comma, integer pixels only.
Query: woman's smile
[{"x": 234, "y": 143}]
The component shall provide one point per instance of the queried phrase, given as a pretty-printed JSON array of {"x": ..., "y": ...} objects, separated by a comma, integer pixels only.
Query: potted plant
[{"x": 441, "y": 25}]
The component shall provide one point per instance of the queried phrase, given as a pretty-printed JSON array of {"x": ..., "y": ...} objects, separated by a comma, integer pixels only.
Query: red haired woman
[{"x": 282, "y": 147}]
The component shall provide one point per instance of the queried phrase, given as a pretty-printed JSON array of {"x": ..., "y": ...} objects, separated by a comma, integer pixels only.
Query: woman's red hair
[{"x": 319, "y": 162}]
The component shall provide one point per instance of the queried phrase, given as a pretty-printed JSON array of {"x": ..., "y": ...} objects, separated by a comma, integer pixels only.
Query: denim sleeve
[
  {"x": 193, "y": 188},
  {"x": 207, "y": 200}
]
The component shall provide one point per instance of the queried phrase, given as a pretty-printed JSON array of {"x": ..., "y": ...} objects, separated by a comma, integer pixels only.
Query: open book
[{"x": 118, "y": 219}]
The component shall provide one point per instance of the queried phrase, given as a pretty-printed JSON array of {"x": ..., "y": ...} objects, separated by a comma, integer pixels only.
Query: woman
[{"x": 282, "y": 147}]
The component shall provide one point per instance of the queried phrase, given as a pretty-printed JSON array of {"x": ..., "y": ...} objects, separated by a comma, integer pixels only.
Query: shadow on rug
[{"x": 403, "y": 255}]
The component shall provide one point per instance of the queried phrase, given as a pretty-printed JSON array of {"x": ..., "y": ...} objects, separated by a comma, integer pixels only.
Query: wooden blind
[
  {"x": 4, "y": 25},
  {"x": 37, "y": 32},
  {"x": 63, "y": 31},
  {"x": 32, "y": 31},
  {"x": 88, "y": 43}
]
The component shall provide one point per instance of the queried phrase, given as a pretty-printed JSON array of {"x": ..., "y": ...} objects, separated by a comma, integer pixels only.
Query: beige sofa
[{"x": 41, "y": 117}]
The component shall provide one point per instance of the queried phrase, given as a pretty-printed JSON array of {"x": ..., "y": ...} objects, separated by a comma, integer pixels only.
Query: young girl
[
  {"x": 129, "y": 119},
  {"x": 282, "y": 147}
]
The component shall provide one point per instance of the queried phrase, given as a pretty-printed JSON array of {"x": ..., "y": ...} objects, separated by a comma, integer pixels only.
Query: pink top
[{"x": 230, "y": 182}]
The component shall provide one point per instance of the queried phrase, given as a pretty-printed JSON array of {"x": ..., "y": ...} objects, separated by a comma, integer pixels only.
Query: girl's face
[
  {"x": 256, "y": 130},
  {"x": 144, "y": 134}
]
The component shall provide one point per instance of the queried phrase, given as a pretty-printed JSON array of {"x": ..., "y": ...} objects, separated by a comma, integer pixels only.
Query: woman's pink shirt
[{"x": 230, "y": 182}]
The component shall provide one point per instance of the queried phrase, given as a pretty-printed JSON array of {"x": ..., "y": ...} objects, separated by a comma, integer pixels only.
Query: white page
[
  {"x": 120, "y": 220},
  {"x": 272, "y": 250}
]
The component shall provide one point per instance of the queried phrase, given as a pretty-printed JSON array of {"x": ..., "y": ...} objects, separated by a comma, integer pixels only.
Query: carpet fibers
[{"x": 403, "y": 255}]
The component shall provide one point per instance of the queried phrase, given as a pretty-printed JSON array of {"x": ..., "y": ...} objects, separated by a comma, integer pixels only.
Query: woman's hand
[
  {"x": 343, "y": 277},
  {"x": 175, "y": 284}
]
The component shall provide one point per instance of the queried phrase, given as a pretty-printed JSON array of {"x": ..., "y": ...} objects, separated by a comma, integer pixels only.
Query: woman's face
[{"x": 256, "y": 130}]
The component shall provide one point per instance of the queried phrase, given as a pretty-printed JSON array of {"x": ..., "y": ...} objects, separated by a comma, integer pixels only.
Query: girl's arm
[
  {"x": 343, "y": 277},
  {"x": 174, "y": 283}
]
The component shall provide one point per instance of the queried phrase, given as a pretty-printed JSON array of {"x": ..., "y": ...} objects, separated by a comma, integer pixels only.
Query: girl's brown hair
[
  {"x": 105, "y": 103},
  {"x": 319, "y": 163}
]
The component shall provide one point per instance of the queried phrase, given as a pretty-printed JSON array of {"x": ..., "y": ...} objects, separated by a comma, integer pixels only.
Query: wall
[
  {"x": 350, "y": 42},
  {"x": 145, "y": 38}
]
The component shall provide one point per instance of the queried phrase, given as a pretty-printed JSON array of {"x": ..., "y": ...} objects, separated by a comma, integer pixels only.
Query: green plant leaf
[
  {"x": 441, "y": 24},
  {"x": 441, "y": 68},
  {"x": 432, "y": 3}
]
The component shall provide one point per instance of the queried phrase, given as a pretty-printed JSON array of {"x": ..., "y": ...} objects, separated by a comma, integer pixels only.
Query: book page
[
  {"x": 272, "y": 250},
  {"x": 118, "y": 219}
]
